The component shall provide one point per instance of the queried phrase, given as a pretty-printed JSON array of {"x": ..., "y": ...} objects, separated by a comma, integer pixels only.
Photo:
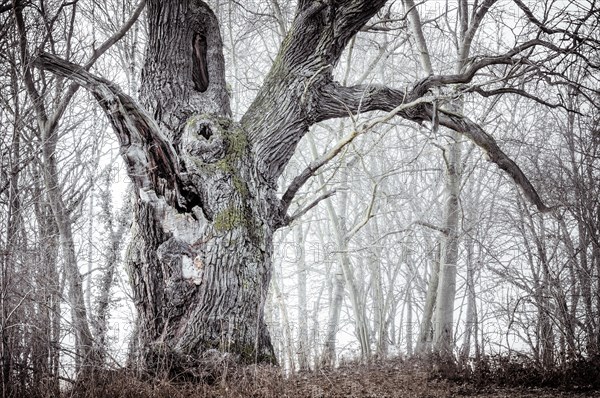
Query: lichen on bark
[{"x": 230, "y": 218}]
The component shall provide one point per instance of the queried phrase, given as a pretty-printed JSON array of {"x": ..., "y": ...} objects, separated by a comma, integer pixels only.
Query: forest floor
[{"x": 388, "y": 379}]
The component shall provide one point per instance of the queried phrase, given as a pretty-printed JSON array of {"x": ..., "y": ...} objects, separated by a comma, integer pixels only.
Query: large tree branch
[
  {"x": 51, "y": 121},
  {"x": 284, "y": 107},
  {"x": 508, "y": 58},
  {"x": 151, "y": 159},
  {"x": 316, "y": 164},
  {"x": 477, "y": 135},
  {"x": 343, "y": 101},
  {"x": 339, "y": 101}
]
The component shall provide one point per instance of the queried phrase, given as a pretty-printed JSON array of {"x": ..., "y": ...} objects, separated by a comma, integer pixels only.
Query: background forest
[{"x": 417, "y": 244}]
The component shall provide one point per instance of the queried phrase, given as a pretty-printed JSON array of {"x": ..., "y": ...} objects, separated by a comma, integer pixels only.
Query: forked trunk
[
  {"x": 200, "y": 258},
  {"x": 206, "y": 204}
]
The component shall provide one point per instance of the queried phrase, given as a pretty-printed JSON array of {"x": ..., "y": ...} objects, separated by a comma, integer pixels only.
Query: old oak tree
[{"x": 206, "y": 185}]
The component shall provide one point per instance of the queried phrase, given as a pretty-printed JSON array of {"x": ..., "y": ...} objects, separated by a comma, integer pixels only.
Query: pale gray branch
[
  {"x": 306, "y": 209},
  {"x": 367, "y": 216}
]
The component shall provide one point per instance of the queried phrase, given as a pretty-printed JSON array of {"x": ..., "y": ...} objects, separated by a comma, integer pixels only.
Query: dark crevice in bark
[
  {"x": 184, "y": 69},
  {"x": 200, "y": 63}
]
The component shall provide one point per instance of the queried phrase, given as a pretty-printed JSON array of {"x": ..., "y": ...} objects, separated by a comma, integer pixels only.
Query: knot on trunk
[
  {"x": 215, "y": 152},
  {"x": 203, "y": 139}
]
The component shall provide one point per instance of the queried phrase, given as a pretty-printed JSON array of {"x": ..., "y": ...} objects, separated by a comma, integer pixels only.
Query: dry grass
[
  {"x": 393, "y": 378},
  {"x": 389, "y": 379}
]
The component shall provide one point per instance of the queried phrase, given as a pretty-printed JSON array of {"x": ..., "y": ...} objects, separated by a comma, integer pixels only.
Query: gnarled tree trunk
[{"x": 200, "y": 258}]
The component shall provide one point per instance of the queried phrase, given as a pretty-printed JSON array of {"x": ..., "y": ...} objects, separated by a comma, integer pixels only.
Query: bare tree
[
  {"x": 49, "y": 113},
  {"x": 200, "y": 259}
]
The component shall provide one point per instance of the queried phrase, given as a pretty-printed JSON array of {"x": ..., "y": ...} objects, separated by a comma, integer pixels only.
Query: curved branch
[
  {"x": 151, "y": 159},
  {"x": 290, "y": 219},
  {"x": 340, "y": 101},
  {"x": 337, "y": 101},
  {"x": 477, "y": 135},
  {"x": 283, "y": 109},
  {"x": 312, "y": 168},
  {"x": 511, "y": 90},
  {"x": 316, "y": 164},
  {"x": 507, "y": 58},
  {"x": 551, "y": 31},
  {"x": 97, "y": 53}
]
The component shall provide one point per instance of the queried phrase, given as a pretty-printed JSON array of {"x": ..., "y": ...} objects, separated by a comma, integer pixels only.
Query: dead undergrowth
[{"x": 392, "y": 378}]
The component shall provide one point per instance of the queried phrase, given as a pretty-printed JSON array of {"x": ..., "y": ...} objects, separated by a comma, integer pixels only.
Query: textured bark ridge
[
  {"x": 184, "y": 43},
  {"x": 206, "y": 204},
  {"x": 201, "y": 277}
]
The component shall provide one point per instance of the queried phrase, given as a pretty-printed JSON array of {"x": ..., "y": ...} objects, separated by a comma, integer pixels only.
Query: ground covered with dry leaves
[{"x": 389, "y": 379}]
